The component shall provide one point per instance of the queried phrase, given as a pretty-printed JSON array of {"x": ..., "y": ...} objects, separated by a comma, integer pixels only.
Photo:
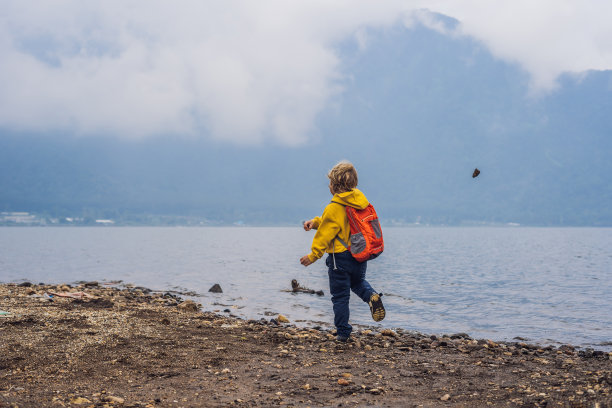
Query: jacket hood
[{"x": 353, "y": 198}]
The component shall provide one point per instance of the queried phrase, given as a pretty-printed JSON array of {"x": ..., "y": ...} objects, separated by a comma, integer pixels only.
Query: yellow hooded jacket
[{"x": 334, "y": 222}]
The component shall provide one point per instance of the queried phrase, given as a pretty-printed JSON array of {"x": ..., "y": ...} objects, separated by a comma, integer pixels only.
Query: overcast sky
[{"x": 247, "y": 71}]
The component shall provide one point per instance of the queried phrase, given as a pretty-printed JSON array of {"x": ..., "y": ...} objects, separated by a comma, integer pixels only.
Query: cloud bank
[{"x": 244, "y": 71}]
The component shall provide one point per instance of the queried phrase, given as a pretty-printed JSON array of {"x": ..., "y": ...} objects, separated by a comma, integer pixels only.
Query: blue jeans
[{"x": 349, "y": 275}]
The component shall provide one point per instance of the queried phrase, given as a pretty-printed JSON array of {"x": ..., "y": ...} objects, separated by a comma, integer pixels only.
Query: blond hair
[{"x": 343, "y": 177}]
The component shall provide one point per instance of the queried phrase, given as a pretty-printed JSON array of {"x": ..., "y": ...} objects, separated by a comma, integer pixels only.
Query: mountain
[{"x": 418, "y": 112}]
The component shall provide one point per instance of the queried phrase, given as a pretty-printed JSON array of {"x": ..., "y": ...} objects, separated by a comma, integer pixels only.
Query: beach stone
[
  {"x": 388, "y": 332},
  {"x": 282, "y": 319},
  {"x": 216, "y": 288},
  {"x": 25, "y": 284},
  {"x": 343, "y": 381},
  {"x": 113, "y": 399},
  {"x": 80, "y": 401},
  {"x": 445, "y": 397},
  {"x": 189, "y": 306}
]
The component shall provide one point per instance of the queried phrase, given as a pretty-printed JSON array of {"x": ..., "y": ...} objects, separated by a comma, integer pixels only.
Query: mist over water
[{"x": 547, "y": 285}]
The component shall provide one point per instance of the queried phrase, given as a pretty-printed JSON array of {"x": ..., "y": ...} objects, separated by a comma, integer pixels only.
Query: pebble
[
  {"x": 388, "y": 332},
  {"x": 113, "y": 399},
  {"x": 80, "y": 401},
  {"x": 343, "y": 381},
  {"x": 445, "y": 397},
  {"x": 282, "y": 319}
]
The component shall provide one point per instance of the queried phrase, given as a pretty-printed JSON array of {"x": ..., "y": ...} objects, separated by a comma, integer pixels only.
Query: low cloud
[
  {"x": 547, "y": 38},
  {"x": 243, "y": 71}
]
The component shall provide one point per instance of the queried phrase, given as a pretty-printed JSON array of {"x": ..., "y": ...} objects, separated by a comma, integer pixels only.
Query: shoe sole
[{"x": 377, "y": 308}]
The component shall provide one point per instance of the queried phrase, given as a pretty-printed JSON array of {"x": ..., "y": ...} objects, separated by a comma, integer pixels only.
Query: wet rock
[
  {"x": 25, "y": 284},
  {"x": 297, "y": 288},
  {"x": 460, "y": 336},
  {"x": 92, "y": 284},
  {"x": 216, "y": 288},
  {"x": 282, "y": 319},
  {"x": 590, "y": 353}
]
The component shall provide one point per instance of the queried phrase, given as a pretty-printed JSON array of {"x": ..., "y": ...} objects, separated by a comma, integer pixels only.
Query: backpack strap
[{"x": 342, "y": 241}]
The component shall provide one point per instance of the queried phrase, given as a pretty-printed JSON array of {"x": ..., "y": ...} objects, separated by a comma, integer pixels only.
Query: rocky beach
[{"x": 93, "y": 345}]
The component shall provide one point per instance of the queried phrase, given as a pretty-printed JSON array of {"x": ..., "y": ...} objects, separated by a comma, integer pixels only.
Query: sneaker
[
  {"x": 376, "y": 307},
  {"x": 342, "y": 339}
]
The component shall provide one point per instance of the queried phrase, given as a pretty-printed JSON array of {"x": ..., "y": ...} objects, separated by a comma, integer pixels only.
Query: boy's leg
[
  {"x": 340, "y": 289},
  {"x": 359, "y": 285},
  {"x": 362, "y": 288}
]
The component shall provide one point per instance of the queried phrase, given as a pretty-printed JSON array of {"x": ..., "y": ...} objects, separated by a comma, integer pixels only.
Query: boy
[{"x": 345, "y": 273}]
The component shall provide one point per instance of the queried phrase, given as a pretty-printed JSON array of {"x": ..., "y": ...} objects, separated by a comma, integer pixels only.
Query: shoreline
[
  {"x": 125, "y": 347},
  {"x": 228, "y": 310}
]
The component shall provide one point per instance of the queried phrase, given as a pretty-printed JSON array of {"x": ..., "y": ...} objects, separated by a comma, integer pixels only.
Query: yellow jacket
[{"x": 334, "y": 222}]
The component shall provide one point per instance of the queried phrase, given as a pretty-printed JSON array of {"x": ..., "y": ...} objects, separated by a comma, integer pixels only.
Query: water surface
[{"x": 547, "y": 285}]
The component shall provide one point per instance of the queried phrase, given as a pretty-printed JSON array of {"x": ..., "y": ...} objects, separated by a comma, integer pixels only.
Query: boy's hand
[
  {"x": 305, "y": 260},
  {"x": 308, "y": 225}
]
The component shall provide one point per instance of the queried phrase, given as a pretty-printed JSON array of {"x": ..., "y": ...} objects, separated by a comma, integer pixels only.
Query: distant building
[
  {"x": 18, "y": 217},
  {"x": 105, "y": 222}
]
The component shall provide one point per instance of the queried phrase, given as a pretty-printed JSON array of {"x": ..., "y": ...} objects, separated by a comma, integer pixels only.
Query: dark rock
[
  {"x": 227, "y": 310},
  {"x": 216, "y": 288},
  {"x": 460, "y": 336},
  {"x": 587, "y": 353},
  {"x": 297, "y": 288},
  {"x": 25, "y": 284},
  {"x": 142, "y": 289},
  {"x": 92, "y": 284}
]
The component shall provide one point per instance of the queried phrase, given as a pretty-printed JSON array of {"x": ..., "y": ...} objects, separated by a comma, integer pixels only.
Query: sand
[{"x": 133, "y": 348}]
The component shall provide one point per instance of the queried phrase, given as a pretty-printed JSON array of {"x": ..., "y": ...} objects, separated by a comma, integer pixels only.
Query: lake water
[{"x": 546, "y": 285}]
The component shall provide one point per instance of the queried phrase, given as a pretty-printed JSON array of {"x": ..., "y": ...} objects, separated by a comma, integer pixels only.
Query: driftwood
[{"x": 297, "y": 288}]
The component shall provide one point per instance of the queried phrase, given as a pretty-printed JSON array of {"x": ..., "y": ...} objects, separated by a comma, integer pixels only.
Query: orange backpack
[{"x": 366, "y": 240}]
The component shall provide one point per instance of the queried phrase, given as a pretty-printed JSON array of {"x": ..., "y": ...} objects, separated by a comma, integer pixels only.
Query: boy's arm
[
  {"x": 312, "y": 224},
  {"x": 327, "y": 229}
]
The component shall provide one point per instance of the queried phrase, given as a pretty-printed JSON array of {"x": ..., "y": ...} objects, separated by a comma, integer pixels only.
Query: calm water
[{"x": 547, "y": 285}]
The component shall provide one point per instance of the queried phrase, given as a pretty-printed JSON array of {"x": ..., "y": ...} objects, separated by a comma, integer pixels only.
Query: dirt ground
[{"x": 135, "y": 348}]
